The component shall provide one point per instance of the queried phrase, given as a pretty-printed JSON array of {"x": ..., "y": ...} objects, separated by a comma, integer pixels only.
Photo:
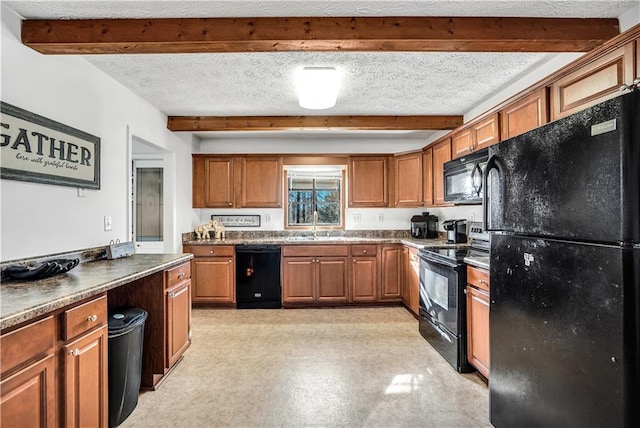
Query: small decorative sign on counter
[
  {"x": 41, "y": 150},
  {"x": 237, "y": 220}
]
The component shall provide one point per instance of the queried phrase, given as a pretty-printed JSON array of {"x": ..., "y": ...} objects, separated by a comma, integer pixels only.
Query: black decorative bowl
[{"x": 43, "y": 270}]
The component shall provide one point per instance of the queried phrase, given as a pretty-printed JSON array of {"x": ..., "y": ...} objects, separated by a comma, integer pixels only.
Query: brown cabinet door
[
  {"x": 462, "y": 142},
  {"x": 368, "y": 181},
  {"x": 478, "y": 329},
  {"x": 408, "y": 180},
  {"x": 404, "y": 275},
  {"x": 525, "y": 114},
  {"x": 441, "y": 154},
  {"x": 178, "y": 300},
  {"x": 85, "y": 380},
  {"x": 218, "y": 182},
  {"x": 332, "y": 279},
  {"x": 593, "y": 83},
  {"x": 298, "y": 280},
  {"x": 638, "y": 58},
  {"x": 261, "y": 182},
  {"x": 427, "y": 176},
  {"x": 364, "y": 279},
  {"x": 414, "y": 281},
  {"x": 486, "y": 132},
  {"x": 391, "y": 273},
  {"x": 28, "y": 397},
  {"x": 213, "y": 280}
]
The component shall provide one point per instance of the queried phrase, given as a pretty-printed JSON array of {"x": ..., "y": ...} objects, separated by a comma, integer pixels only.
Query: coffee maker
[
  {"x": 424, "y": 226},
  {"x": 456, "y": 231}
]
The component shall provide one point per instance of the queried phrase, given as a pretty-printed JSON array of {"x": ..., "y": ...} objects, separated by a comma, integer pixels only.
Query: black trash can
[{"x": 126, "y": 336}]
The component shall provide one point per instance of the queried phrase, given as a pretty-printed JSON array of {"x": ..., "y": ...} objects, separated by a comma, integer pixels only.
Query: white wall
[{"x": 38, "y": 219}]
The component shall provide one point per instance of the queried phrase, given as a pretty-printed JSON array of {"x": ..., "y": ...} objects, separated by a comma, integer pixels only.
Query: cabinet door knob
[
  {"x": 229, "y": 203},
  {"x": 354, "y": 260},
  {"x": 230, "y": 260},
  {"x": 92, "y": 318},
  {"x": 181, "y": 275},
  {"x": 74, "y": 352},
  {"x": 211, "y": 252},
  {"x": 172, "y": 295}
]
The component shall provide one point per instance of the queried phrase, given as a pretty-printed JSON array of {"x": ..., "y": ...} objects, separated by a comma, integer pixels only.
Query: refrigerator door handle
[{"x": 492, "y": 163}]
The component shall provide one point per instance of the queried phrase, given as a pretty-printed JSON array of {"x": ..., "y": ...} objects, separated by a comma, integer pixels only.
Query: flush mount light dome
[{"x": 318, "y": 87}]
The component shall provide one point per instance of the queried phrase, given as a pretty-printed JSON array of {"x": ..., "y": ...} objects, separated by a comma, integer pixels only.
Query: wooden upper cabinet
[
  {"x": 486, "y": 132},
  {"x": 475, "y": 136},
  {"x": 261, "y": 182},
  {"x": 593, "y": 83},
  {"x": 441, "y": 154},
  {"x": 427, "y": 176},
  {"x": 525, "y": 114},
  {"x": 368, "y": 181},
  {"x": 408, "y": 180},
  {"x": 212, "y": 181},
  {"x": 462, "y": 142},
  {"x": 638, "y": 58}
]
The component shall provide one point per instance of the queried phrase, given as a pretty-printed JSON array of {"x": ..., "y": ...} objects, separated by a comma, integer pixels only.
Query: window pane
[{"x": 306, "y": 194}]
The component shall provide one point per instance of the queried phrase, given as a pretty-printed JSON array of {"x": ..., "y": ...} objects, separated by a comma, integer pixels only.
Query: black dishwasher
[{"x": 258, "y": 277}]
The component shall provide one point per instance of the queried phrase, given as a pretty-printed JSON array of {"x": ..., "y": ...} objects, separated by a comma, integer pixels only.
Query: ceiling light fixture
[{"x": 318, "y": 87}]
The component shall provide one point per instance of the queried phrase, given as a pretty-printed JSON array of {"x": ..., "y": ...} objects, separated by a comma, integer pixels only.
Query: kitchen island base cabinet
[
  {"x": 86, "y": 393},
  {"x": 167, "y": 330},
  {"x": 54, "y": 370},
  {"x": 29, "y": 396}
]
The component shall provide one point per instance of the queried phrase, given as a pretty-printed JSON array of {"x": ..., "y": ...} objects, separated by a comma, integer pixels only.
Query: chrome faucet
[{"x": 315, "y": 224}]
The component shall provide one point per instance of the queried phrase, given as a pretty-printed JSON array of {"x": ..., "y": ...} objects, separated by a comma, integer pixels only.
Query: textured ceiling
[{"x": 262, "y": 83}]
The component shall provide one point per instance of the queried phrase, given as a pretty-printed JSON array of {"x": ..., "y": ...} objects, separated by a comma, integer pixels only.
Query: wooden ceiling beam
[
  {"x": 283, "y": 123},
  {"x": 320, "y": 34}
]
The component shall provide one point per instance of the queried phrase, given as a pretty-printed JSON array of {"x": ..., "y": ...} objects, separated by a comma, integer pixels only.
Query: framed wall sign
[
  {"x": 41, "y": 150},
  {"x": 237, "y": 220}
]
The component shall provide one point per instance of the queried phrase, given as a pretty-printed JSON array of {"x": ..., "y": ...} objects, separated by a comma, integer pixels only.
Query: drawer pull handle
[
  {"x": 92, "y": 318},
  {"x": 181, "y": 275},
  {"x": 74, "y": 352},
  {"x": 482, "y": 281},
  {"x": 364, "y": 251},
  {"x": 172, "y": 295},
  {"x": 211, "y": 252}
]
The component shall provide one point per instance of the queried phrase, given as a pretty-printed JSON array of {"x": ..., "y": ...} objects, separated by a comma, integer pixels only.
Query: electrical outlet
[
  {"x": 107, "y": 223},
  {"x": 357, "y": 218},
  {"x": 267, "y": 218},
  {"x": 380, "y": 217}
]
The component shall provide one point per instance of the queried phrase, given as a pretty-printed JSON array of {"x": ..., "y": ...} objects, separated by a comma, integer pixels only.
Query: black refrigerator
[{"x": 563, "y": 210}]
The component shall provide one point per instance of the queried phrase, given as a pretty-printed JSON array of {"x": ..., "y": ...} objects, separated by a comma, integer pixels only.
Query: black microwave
[{"x": 463, "y": 178}]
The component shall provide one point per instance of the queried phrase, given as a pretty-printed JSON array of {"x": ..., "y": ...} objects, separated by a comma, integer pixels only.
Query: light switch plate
[{"x": 107, "y": 223}]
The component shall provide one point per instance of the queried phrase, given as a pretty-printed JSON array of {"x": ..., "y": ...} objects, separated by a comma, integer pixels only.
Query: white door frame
[{"x": 168, "y": 159}]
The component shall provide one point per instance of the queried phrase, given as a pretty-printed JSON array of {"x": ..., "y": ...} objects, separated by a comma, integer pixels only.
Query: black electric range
[{"x": 443, "y": 278}]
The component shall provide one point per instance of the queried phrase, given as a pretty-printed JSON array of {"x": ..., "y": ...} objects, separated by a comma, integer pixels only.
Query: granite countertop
[
  {"x": 25, "y": 300},
  {"x": 480, "y": 262},
  {"x": 307, "y": 240}
]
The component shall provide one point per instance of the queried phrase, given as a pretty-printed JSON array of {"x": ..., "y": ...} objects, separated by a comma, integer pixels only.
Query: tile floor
[{"x": 337, "y": 367}]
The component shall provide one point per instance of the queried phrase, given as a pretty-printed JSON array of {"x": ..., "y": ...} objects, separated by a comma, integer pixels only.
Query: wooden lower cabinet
[
  {"x": 86, "y": 380},
  {"x": 391, "y": 272},
  {"x": 478, "y": 319},
  {"x": 178, "y": 302},
  {"x": 364, "y": 279},
  {"x": 213, "y": 274},
  {"x": 332, "y": 279},
  {"x": 54, "y": 370},
  {"x": 28, "y": 396},
  {"x": 410, "y": 278},
  {"x": 298, "y": 280},
  {"x": 314, "y": 280}
]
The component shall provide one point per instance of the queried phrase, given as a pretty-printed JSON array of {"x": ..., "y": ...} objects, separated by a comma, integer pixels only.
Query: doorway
[{"x": 148, "y": 205}]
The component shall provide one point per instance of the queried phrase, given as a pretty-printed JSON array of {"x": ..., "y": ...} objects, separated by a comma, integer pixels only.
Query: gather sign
[{"x": 41, "y": 150}]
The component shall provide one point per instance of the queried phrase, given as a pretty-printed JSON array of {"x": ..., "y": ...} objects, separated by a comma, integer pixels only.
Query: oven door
[{"x": 440, "y": 292}]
